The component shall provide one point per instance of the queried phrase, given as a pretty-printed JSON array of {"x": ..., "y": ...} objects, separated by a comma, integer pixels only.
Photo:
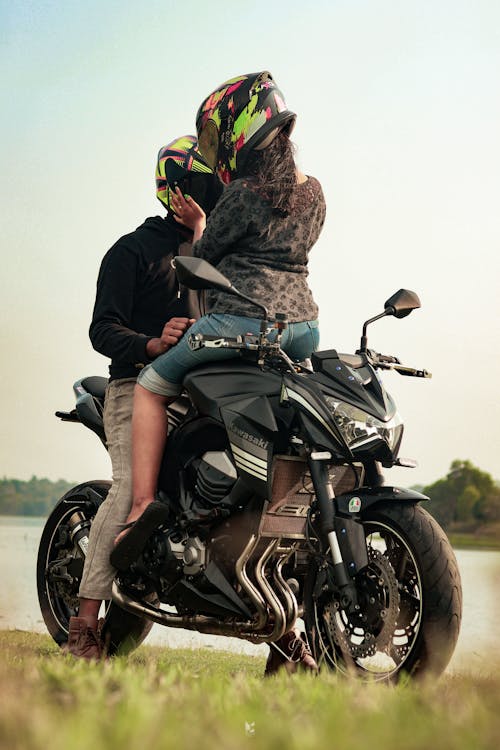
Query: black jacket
[{"x": 137, "y": 293}]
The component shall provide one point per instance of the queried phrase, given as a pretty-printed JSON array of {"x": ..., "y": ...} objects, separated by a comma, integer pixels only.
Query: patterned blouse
[{"x": 262, "y": 252}]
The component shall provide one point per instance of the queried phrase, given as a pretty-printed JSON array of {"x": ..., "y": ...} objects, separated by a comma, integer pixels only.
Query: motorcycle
[{"x": 276, "y": 508}]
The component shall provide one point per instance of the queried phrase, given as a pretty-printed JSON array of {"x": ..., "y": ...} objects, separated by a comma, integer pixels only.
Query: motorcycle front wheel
[
  {"x": 59, "y": 572},
  {"x": 409, "y": 596}
]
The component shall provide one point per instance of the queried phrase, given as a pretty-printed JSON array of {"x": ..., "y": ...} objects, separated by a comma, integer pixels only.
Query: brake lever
[
  {"x": 388, "y": 359},
  {"x": 411, "y": 371},
  {"x": 379, "y": 360}
]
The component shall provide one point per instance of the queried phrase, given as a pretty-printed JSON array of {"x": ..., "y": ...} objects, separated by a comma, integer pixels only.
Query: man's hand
[{"x": 172, "y": 332}]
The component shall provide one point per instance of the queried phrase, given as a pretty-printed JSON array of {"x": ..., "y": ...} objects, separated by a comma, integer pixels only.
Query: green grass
[
  {"x": 475, "y": 536},
  {"x": 473, "y": 541},
  {"x": 161, "y": 698}
]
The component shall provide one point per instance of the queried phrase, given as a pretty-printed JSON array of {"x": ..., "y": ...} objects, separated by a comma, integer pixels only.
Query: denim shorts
[{"x": 165, "y": 375}]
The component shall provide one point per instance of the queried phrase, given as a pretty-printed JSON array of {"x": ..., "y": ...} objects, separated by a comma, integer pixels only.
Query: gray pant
[{"x": 110, "y": 518}]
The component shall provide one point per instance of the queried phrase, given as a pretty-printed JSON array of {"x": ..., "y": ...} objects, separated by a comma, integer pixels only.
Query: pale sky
[{"x": 398, "y": 107}]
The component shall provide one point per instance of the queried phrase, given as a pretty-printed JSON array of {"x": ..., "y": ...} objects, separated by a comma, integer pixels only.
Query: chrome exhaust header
[
  {"x": 247, "y": 585},
  {"x": 272, "y": 619},
  {"x": 200, "y": 623},
  {"x": 271, "y": 597},
  {"x": 291, "y": 608}
]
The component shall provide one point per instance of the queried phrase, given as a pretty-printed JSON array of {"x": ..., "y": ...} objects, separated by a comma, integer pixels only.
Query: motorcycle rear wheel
[
  {"x": 59, "y": 572},
  {"x": 410, "y": 596}
]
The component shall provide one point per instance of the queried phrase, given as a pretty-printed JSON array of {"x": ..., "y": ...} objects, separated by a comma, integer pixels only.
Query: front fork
[{"x": 345, "y": 535}]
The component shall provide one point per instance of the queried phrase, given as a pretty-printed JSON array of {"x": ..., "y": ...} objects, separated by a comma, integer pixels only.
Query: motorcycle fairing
[
  {"x": 358, "y": 386},
  {"x": 251, "y": 426},
  {"x": 209, "y": 593},
  {"x": 317, "y": 420}
]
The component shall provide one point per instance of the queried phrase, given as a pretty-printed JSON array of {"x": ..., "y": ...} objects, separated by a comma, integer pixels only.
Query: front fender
[
  {"x": 355, "y": 503},
  {"x": 349, "y": 509}
]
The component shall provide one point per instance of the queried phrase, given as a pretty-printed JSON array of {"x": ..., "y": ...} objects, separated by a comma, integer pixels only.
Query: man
[{"x": 139, "y": 313}]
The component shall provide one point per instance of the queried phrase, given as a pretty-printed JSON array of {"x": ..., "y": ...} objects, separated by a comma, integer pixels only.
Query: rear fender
[
  {"x": 89, "y": 410},
  {"x": 89, "y": 494}
]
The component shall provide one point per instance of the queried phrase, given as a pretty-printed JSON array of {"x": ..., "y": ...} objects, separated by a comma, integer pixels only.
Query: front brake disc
[{"x": 371, "y": 631}]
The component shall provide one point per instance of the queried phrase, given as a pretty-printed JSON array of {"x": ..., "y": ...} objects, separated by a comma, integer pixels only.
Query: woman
[{"x": 259, "y": 235}]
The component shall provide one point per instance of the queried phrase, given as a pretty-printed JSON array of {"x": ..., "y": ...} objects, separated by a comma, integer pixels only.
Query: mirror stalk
[
  {"x": 239, "y": 294},
  {"x": 364, "y": 339}
]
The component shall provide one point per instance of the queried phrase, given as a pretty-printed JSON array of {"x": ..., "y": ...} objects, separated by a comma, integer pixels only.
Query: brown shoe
[
  {"x": 290, "y": 653},
  {"x": 83, "y": 641}
]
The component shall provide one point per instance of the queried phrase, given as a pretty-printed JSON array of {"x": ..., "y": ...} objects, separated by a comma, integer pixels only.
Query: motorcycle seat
[{"x": 95, "y": 385}]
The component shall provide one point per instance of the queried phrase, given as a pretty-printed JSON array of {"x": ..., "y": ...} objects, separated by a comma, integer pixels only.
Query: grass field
[
  {"x": 479, "y": 536},
  {"x": 161, "y": 698},
  {"x": 474, "y": 541}
]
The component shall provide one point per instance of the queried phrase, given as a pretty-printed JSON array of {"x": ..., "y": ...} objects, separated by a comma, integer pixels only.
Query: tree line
[
  {"x": 467, "y": 495},
  {"x": 35, "y": 497}
]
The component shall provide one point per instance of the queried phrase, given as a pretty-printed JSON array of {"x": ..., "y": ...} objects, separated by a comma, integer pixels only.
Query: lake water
[{"x": 477, "y": 644}]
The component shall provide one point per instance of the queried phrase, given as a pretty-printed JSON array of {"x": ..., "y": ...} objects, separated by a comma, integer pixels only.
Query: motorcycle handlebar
[
  {"x": 200, "y": 341},
  {"x": 248, "y": 342},
  {"x": 382, "y": 361},
  {"x": 411, "y": 371},
  {"x": 389, "y": 362},
  {"x": 388, "y": 358}
]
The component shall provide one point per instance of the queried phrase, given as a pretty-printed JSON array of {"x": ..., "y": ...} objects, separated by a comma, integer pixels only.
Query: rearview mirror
[
  {"x": 402, "y": 303},
  {"x": 196, "y": 273}
]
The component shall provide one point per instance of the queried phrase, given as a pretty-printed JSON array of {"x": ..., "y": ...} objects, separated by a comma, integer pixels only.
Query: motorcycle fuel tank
[{"x": 214, "y": 386}]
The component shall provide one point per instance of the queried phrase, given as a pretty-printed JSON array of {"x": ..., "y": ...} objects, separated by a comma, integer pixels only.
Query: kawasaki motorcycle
[{"x": 275, "y": 508}]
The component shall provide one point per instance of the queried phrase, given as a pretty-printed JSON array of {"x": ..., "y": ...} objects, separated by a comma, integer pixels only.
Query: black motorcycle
[{"x": 276, "y": 508}]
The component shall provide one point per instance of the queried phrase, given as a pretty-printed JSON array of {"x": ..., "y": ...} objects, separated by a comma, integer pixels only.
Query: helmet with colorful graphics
[
  {"x": 181, "y": 164},
  {"x": 242, "y": 114}
]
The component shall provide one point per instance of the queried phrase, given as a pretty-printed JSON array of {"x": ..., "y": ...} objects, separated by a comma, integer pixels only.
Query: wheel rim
[
  {"x": 62, "y": 596},
  {"x": 390, "y": 591}
]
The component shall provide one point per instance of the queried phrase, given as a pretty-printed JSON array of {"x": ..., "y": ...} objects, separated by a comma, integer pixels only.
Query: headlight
[{"x": 360, "y": 429}]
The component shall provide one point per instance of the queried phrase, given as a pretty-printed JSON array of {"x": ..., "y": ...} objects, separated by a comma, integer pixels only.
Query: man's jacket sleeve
[{"x": 110, "y": 331}]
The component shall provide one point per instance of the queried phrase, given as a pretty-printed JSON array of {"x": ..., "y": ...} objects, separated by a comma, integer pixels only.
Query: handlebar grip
[{"x": 412, "y": 372}]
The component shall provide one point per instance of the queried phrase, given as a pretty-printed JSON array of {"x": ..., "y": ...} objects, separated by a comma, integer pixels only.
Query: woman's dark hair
[{"x": 273, "y": 172}]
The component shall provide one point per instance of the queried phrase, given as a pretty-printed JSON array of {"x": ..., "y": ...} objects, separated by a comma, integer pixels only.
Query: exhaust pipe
[
  {"x": 272, "y": 599},
  {"x": 247, "y": 585},
  {"x": 254, "y": 630},
  {"x": 200, "y": 623},
  {"x": 292, "y": 609}
]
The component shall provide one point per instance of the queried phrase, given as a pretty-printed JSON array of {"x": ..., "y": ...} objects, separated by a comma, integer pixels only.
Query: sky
[{"x": 398, "y": 106}]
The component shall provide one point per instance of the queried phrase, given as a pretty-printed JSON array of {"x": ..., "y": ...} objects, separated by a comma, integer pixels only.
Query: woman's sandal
[{"x": 128, "y": 549}]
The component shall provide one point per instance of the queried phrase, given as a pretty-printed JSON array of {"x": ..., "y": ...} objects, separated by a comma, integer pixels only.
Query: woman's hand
[{"x": 189, "y": 213}]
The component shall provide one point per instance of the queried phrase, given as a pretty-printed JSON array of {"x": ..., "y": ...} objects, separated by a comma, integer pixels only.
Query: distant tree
[
  {"x": 466, "y": 494},
  {"x": 36, "y": 497}
]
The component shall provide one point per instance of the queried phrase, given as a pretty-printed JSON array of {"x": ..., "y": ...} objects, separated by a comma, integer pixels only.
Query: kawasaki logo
[{"x": 247, "y": 436}]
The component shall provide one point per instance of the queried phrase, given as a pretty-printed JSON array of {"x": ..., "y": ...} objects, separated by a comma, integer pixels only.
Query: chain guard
[{"x": 352, "y": 633}]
